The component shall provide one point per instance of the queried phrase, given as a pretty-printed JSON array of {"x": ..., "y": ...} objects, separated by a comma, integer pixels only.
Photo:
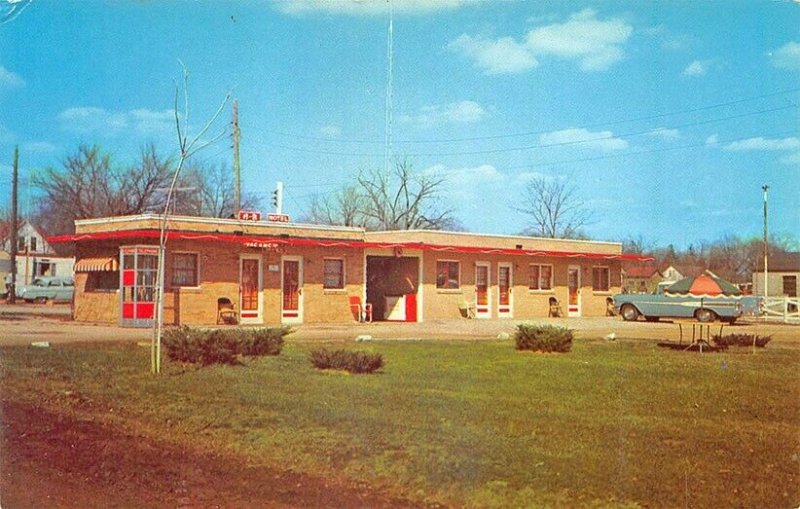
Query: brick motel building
[{"x": 260, "y": 273}]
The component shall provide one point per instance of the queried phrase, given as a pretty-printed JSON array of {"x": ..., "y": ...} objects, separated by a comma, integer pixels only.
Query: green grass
[{"x": 473, "y": 424}]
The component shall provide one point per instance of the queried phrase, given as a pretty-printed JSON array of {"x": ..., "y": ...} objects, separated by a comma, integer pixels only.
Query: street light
[{"x": 765, "y": 188}]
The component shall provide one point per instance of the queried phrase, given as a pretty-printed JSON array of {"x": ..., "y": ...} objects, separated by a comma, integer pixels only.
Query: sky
[{"x": 667, "y": 117}]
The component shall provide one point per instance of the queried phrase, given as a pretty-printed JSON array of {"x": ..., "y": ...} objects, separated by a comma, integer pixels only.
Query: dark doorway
[{"x": 392, "y": 283}]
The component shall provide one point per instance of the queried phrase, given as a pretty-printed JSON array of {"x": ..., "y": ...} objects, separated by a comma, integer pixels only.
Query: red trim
[{"x": 275, "y": 242}]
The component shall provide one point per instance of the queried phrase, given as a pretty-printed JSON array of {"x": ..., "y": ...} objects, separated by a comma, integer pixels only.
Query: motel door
[
  {"x": 138, "y": 284},
  {"x": 292, "y": 284},
  {"x": 250, "y": 309},
  {"x": 504, "y": 284},
  {"x": 574, "y": 285},
  {"x": 483, "y": 298}
]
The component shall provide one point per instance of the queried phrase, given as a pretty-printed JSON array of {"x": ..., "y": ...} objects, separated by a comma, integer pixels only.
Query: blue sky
[{"x": 668, "y": 117}]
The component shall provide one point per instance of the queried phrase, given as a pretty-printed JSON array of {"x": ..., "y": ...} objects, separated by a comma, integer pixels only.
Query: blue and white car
[
  {"x": 44, "y": 288},
  {"x": 653, "y": 306}
]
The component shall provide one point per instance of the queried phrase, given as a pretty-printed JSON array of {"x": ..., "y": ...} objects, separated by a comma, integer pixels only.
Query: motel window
[
  {"x": 790, "y": 286},
  {"x": 601, "y": 279},
  {"x": 102, "y": 281},
  {"x": 333, "y": 278},
  {"x": 33, "y": 244},
  {"x": 447, "y": 275},
  {"x": 184, "y": 269},
  {"x": 540, "y": 277}
]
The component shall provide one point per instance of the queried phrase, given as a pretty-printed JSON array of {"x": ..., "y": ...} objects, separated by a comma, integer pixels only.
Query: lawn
[{"x": 475, "y": 424}]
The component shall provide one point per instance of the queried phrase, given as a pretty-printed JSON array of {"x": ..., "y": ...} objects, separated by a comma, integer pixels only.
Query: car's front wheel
[
  {"x": 629, "y": 313},
  {"x": 40, "y": 300}
]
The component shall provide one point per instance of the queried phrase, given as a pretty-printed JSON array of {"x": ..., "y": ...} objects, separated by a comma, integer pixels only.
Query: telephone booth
[{"x": 138, "y": 285}]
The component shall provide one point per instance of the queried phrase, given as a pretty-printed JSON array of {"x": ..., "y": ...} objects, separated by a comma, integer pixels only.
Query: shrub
[
  {"x": 543, "y": 338},
  {"x": 347, "y": 360},
  {"x": 216, "y": 346},
  {"x": 741, "y": 340}
]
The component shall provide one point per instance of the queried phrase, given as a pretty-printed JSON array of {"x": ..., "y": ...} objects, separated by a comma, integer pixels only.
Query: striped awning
[{"x": 107, "y": 264}]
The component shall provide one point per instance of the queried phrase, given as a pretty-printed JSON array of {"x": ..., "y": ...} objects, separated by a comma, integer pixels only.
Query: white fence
[{"x": 781, "y": 309}]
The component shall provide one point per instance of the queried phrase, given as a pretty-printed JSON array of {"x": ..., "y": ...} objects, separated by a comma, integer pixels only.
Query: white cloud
[
  {"x": 696, "y": 68},
  {"x": 663, "y": 132},
  {"x": 39, "y": 147},
  {"x": 501, "y": 56},
  {"x": 6, "y": 136},
  {"x": 764, "y": 144},
  {"x": 367, "y": 7},
  {"x": 668, "y": 39},
  {"x": 10, "y": 79},
  {"x": 469, "y": 186},
  {"x": 790, "y": 145},
  {"x": 463, "y": 112},
  {"x": 330, "y": 131},
  {"x": 601, "y": 140},
  {"x": 713, "y": 139},
  {"x": 787, "y": 56},
  {"x": 89, "y": 119},
  {"x": 596, "y": 44}
]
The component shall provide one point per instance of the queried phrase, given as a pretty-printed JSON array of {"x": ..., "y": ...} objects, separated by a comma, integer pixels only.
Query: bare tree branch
[{"x": 554, "y": 210}]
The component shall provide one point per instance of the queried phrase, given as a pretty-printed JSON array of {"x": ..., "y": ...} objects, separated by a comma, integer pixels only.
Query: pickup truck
[{"x": 630, "y": 306}]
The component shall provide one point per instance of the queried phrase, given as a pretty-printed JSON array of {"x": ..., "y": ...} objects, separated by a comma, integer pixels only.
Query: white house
[
  {"x": 783, "y": 270},
  {"x": 35, "y": 256}
]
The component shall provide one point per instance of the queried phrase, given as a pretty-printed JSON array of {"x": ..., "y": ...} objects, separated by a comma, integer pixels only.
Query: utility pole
[
  {"x": 237, "y": 174},
  {"x": 12, "y": 289},
  {"x": 765, "y": 188}
]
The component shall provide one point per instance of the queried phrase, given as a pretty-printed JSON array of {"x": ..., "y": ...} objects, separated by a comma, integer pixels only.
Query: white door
[
  {"x": 292, "y": 289},
  {"x": 483, "y": 295},
  {"x": 574, "y": 286},
  {"x": 250, "y": 277},
  {"x": 505, "y": 284}
]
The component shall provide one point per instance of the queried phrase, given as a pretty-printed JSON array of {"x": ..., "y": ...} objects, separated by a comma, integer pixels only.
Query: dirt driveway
[{"x": 23, "y": 328}]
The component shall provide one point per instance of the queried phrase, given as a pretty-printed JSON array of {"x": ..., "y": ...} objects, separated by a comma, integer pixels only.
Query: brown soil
[{"x": 59, "y": 461}]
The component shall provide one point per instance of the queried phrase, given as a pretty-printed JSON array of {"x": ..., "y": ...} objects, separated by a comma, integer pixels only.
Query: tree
[
  {"x": 344, "y": 207},
  {"x": 401, "y": 199},
  {"x": 207, "y": 191},
  {"x": 90, "y": 185},
  {"x": 554, "y": 209}
]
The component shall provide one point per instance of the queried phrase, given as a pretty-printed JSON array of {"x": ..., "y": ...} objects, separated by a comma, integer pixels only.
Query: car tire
[
  {"x": 40, "y": 300},
  {"x": 629, "y": 313},
  {"x": 705, "y": 315}
]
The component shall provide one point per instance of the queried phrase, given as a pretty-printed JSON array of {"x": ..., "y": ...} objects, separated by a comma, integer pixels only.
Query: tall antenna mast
[
  {"x": 237, "y": 172},
  {"x": 389, "y": 91}
]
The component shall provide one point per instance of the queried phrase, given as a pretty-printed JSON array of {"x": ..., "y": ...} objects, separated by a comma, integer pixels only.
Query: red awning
[
  {"x": 273, "y": 242},
  {"x": 108, "y": 264}
]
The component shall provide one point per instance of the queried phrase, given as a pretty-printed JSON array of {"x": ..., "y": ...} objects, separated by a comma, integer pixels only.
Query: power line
[
  {"x": 534, "y": 133},
  {"x": 537, "y": 146}
]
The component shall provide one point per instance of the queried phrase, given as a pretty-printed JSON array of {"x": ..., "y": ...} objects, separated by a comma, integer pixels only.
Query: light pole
[{"x": 765, "y": 188}]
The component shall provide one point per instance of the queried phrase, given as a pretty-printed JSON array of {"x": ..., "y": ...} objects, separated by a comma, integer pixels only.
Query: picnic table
[{"x": 701, "y": 333}]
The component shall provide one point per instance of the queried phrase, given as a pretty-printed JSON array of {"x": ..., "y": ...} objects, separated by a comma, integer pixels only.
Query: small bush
[
  {"x": 741, "y": 340},
  {"x": 543, "y": 338},
  {"x": 346, "y": 360},
  {"x": 217, "y": 346}
]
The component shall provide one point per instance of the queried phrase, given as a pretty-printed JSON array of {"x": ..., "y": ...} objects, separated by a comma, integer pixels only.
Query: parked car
[
  {"x": 630, "y": 306},
  {"x": 44, "y": 288}
]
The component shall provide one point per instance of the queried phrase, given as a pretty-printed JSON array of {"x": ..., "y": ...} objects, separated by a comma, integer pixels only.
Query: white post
[
  {"x": 279, "y": 198},
  {"x": 766, "y": 245}
]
